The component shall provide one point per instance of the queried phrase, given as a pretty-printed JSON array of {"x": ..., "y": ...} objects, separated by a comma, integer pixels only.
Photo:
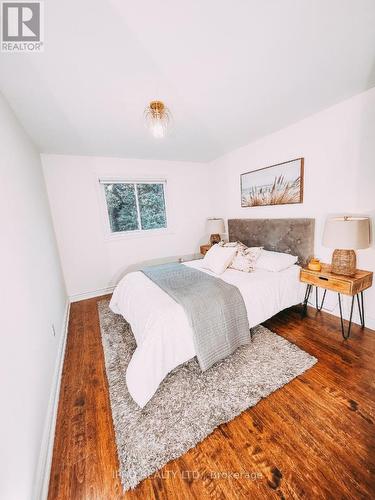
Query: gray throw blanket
[{"x": 215, "y": 309}]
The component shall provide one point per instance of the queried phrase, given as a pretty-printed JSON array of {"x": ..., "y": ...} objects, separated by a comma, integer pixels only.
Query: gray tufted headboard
[{"x": 294, "y": 236}]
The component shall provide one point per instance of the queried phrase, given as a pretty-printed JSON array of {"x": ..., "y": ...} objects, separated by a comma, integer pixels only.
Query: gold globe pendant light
[{"x": 158, "y": 118}]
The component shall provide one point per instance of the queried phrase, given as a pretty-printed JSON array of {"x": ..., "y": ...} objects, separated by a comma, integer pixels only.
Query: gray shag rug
[{"x": 189, "y": 404}]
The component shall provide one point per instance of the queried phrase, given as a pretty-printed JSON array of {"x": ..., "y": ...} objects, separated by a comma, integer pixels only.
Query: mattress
[{"x": 163, "y": 334}]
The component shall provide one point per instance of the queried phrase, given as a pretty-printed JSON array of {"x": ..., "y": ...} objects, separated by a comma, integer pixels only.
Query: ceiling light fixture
[{"x": 158, "y": 118}]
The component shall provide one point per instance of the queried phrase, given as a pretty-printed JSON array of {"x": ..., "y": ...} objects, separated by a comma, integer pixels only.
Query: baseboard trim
[
  {"x": 369, "y": 321},
  {"x": 90, "y": 295},
  {"x": 46, "y": 452}
]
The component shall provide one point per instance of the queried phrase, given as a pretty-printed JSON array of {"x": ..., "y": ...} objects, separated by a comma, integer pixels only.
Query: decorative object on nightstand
[
  {"x": 215, "y": 227},
  {"x": 204, "y": 249},
  {"x": 353, "y": 286},
  {"x": 346, "y": 234},
  {"x": 314, "y": 264}
]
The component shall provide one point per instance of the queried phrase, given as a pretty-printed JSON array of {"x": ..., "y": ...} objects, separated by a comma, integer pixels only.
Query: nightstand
[
  {"x": 204, "y": 249},
  {"x": 353, "y": 286}
]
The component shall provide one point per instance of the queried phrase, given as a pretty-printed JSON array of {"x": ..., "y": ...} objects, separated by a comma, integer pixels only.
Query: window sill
[{"x": 126, "y": 235}]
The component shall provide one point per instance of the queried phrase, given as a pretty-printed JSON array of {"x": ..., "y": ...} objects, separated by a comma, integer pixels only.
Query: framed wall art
[{"x": 280, "y": 184}]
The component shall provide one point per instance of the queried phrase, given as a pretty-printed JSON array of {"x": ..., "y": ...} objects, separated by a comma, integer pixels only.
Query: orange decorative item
[{"x": 314, "y": 265}]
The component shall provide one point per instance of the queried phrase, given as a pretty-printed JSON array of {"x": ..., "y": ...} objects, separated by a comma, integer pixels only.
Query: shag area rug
[{"x": 189, "y": 404}]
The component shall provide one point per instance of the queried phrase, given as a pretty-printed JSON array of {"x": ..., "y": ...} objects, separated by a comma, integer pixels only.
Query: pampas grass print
[{"x": 279, "y": 193}]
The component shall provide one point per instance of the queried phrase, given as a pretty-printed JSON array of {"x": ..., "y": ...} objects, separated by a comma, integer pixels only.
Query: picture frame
[{"x": 279, "y": 184}]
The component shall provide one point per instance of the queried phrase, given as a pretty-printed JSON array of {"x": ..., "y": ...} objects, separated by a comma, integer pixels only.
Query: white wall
[
  {"x": 91, "y": 261},
  {"x": 33, "y": 298},
  {"x": 338, "y": 145}
]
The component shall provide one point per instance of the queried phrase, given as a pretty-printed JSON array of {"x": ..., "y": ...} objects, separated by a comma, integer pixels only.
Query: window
[{"x": 135, "y": 206}]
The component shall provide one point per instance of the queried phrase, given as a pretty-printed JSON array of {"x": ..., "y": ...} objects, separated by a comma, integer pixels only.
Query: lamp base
[
  {"x": 215, "y": 238},
  {"x": 344, "y": 262}
]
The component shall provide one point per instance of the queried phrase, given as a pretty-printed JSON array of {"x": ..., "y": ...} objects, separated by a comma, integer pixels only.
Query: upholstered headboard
[{"x": 294, "y": 236}]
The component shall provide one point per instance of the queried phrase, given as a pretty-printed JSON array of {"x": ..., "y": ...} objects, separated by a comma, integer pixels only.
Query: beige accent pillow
[
  {"x": 245, "y": 257},
  {"x": 238, "y": 244}
]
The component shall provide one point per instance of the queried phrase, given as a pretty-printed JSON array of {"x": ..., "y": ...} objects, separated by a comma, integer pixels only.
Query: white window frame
[{"x": 137, "y": 232}]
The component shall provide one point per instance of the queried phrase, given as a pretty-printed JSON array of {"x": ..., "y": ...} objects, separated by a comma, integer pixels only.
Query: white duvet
[{"x": 161, "y": 329}]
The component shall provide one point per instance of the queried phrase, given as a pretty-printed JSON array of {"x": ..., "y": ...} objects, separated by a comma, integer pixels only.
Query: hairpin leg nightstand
[{"x": 353, "y": 286}]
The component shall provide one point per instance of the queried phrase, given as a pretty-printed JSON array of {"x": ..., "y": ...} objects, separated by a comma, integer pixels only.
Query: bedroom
[{"x": 266, "y": 112}]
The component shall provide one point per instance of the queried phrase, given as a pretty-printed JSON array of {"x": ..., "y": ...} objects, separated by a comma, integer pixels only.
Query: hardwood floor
[{"x": 313, "y": 438}]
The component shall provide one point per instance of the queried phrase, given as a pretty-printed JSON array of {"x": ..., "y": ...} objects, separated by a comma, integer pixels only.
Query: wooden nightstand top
[
  {"x": 204, "y": 249},
  {"x": 349, "y": 285}
]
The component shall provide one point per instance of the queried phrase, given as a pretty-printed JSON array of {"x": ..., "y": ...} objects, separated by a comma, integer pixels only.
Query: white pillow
[
  {"x": 218, "y": 258},
  {"x": 275, "y": 261}
]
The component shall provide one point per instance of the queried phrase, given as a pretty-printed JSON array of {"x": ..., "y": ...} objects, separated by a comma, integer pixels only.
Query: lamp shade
[
  {"x": 215, "y": 226},
  {"x": 349, "y": 233}
]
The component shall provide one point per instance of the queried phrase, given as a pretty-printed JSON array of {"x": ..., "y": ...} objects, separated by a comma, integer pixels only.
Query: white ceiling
[{"x": 230, "y": 71}]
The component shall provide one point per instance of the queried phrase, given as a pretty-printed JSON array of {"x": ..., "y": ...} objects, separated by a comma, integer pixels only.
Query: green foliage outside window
[{"x": 134, "y": 207}]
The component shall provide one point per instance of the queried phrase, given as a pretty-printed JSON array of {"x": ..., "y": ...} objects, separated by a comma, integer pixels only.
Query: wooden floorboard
[{"x": 313, "y": 438}]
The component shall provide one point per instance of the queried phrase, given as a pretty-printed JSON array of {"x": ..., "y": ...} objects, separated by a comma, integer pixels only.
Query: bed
[{"x": 161, "y": 328}]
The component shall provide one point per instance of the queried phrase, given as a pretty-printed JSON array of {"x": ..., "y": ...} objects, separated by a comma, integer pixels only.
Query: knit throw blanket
[{"x": 215, "y": 309}]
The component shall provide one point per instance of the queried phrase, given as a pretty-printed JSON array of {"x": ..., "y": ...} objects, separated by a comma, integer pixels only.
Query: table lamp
[
  {"x": 346, "y": 234},
  {"x": 215, "y": 227}
]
